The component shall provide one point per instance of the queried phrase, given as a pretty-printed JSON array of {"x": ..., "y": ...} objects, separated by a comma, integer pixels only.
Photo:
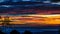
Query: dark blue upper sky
[
  {"x": 25, "y": 0},
  {"x": 9, "y": 5},
  {"x": 19, "y": 0}
]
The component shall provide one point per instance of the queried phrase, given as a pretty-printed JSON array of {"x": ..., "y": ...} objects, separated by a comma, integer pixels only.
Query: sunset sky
[
  {"x": 43, "y": 13},
  {"x": 34, "y": 18}
]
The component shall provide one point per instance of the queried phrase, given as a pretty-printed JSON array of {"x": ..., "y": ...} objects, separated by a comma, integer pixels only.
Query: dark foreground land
[{"x": 34, "y": 30}]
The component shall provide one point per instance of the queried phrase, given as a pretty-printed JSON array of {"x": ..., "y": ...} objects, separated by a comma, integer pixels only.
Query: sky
[
  {"x": 46, "y": 8},
  {"x": 47, "y": 14},
  {"x": 30, "y": 11}
]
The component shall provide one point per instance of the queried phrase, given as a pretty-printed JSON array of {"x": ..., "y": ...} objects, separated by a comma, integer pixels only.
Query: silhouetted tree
[
  {"x": 14, "y": 32},
  {"x": 27, "y": 32}
]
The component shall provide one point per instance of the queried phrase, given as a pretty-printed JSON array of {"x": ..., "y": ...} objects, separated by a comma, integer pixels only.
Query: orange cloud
[{"x": 35, "y": 18}]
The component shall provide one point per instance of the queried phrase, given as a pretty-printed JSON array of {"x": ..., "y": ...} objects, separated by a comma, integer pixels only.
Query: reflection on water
[{"x": 34, "y": 30}]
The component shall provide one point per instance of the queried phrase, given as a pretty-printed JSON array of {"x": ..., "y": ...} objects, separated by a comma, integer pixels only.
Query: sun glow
[{"x": 38, "y": 19}]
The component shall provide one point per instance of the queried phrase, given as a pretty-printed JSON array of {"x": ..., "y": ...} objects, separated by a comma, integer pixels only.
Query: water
[{"x": 34, "y": 30}]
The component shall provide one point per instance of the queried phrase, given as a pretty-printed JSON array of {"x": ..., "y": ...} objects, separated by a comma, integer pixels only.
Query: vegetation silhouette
[
  {"x": 14, "y": 32},
  {"x": 27, "y": 32}
]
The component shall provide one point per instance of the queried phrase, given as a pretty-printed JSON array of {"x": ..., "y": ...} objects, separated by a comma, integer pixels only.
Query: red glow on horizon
[{"x": 36, "y": 11}]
